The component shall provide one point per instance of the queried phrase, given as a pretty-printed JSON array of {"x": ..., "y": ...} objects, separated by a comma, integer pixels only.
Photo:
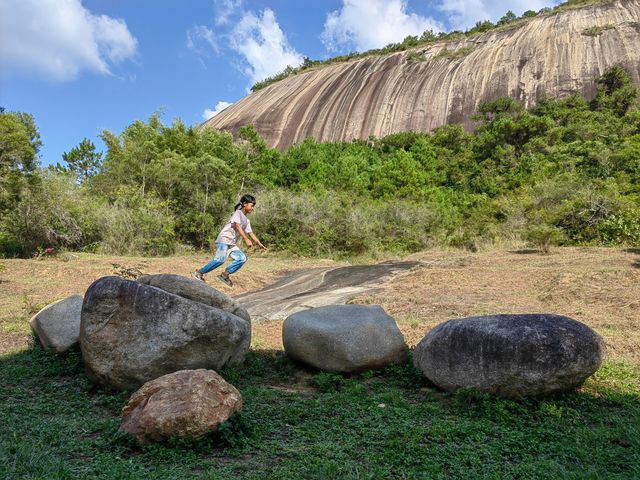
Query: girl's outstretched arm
[
  {"x": 255, "y": 239},
  {"x": 238, "y": 227}
]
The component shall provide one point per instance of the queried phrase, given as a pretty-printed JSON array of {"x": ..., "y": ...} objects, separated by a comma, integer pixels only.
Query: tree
[
  {"x": 19, "y": 142},
  {"x": 83, "y": 160},
  {"x": 500, "y": 107},
  {"x": 616, "y": 91},
  {"x": 427, "y": 36},
  {"x": 507, "y": 18},
  {"x": 19, "y": 146},
  {"x": 481, "y": 26}
]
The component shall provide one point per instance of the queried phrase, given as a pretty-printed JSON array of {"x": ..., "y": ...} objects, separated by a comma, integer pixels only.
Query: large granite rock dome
[{"x": 444, "y": 82}]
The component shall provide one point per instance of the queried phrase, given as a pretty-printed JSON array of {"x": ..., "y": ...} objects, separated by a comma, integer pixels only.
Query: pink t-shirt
[{"x": 229, "y": 235}]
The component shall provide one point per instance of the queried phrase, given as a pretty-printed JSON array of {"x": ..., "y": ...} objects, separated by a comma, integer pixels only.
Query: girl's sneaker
[
  {"x": 198, "y": 276},
  {"x": 226, "y": 280}
]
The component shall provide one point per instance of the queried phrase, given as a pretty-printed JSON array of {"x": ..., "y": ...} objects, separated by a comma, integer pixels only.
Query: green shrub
[
  {"x": 137, "y": 225},
  {"x": 53, "y": 212},
  {"x": 543, "y": 236},
  {"x": 237, "y": 432},
  {"x": 9, "y": 246},
  {"x": 416, "y": 57},
  {"x": 622, "y": 228}
]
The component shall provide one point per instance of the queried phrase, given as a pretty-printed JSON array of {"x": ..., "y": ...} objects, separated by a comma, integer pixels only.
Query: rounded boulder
[
  {"x": 197, "y": 291},
  {"x": 131, "y": 333},
  {"x": 510, "y": 356},
  {"x": 344, "y": 338},
  {"x": 58, "y": 325},
  {"x": 183, "y": 404}
]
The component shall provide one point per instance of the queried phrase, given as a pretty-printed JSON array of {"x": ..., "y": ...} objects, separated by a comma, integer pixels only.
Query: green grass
[{"x": 388, "y": 424}]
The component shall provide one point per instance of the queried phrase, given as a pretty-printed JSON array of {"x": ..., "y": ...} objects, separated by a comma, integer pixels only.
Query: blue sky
[{"x": 81, "y": 66}]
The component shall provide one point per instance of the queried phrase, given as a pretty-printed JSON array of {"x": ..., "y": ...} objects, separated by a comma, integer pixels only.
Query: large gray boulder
[
  {"x": 344, "y": 338},
  {"x": 131, "y": 333},
  {"x": 510, "y": 356},
  {"x": 197, "y": 291},
  {"x": 58, "y": 325}
]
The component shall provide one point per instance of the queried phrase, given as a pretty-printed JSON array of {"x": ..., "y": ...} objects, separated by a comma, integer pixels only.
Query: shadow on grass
[
  {"x": 298, "y": 423},
  {"x": 526, "y": 251}
]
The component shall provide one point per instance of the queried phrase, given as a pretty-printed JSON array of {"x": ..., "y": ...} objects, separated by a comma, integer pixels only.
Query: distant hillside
[{"x": 443, "y": 82}]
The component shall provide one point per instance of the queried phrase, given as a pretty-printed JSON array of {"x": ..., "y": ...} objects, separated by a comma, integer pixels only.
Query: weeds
[
  {"x": 597, "y": 31},
  {"x": 130, "y": 273},
  {"x": 459, "y": 53},
  {"x": 237, "y": 432},
  {"x": 30, "y": 306},
  {"x": 416, "y": 57},
  {"x": 329, "y": 382}
]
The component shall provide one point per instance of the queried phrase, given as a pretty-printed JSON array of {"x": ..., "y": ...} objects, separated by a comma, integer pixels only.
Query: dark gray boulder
[
  {"x": 58, "y": 325},
  {"x": 343, "y": 338},
  {"x": 510, "y": 356},
  {"x": 131, "y": 333},
  {"x": 197, "y": 291}
]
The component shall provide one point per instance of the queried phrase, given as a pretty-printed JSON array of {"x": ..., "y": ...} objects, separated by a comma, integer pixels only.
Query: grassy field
[{"x": 298, "y": 423}]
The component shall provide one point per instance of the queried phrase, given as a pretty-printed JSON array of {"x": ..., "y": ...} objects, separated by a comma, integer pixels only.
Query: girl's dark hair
[{"x": 245, "y": 199}]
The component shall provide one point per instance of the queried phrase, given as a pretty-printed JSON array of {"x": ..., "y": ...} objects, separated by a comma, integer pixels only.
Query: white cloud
[
  {"x": 60, "y": 38},
  {"x": 463, "y": 14},
  {"x": 263, "y": 46},
  {"x": 198, "y": 35},
  {"x": 207, "y": 114},
  {"x": 367, "y": 24},
  {"x": 225, "y": 9}
]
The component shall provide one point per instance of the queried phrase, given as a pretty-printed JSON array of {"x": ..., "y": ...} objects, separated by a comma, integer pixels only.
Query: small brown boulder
[{"x": 184, "y": 404}]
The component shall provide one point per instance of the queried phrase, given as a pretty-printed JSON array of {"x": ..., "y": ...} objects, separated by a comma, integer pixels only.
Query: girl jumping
[{"x": 227, "y": 242}]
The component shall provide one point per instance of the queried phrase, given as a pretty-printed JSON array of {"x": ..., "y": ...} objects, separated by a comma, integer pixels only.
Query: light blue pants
[{"x": 223, "y": 251}]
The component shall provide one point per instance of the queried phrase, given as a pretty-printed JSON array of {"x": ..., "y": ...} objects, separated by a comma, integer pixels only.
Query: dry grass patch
[
  {"x": 598, "y": 286},
  {"x": 28, "y": 285}
]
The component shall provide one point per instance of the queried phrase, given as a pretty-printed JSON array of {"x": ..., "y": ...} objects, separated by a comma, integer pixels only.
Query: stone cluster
[{"x": 166, "y": 335}]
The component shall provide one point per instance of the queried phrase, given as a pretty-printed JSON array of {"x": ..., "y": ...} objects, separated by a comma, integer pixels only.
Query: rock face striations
[{"x": 420, "y": 89}]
